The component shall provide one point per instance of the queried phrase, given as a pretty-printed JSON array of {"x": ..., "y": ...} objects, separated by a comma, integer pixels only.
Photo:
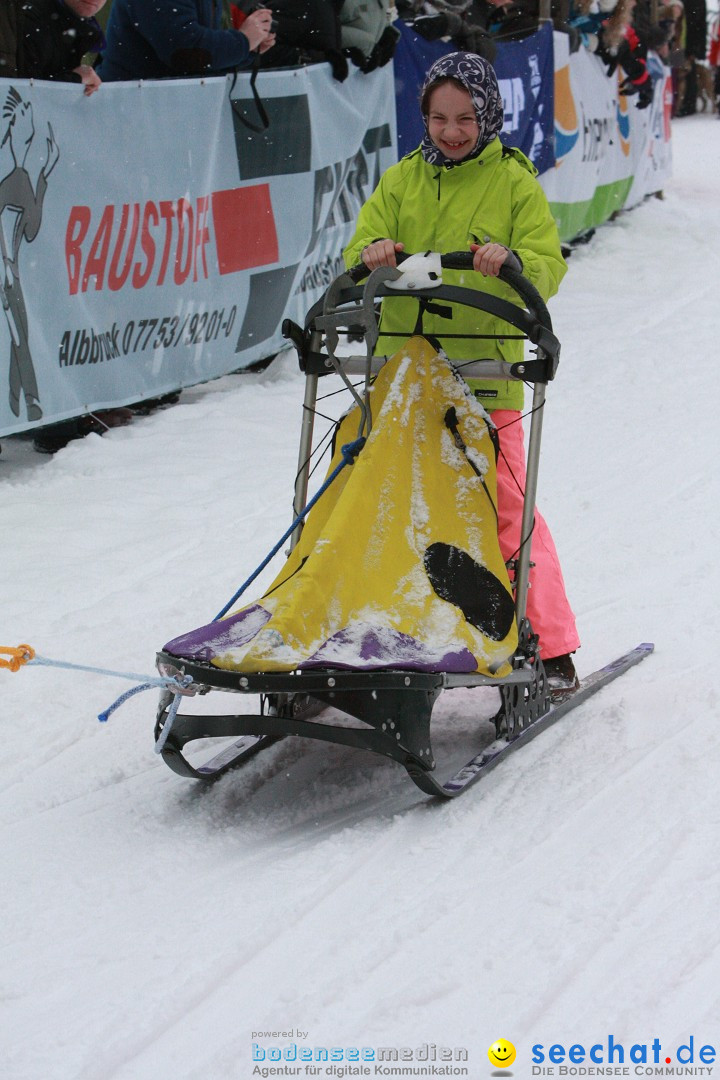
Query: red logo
[{"x": 166, "y": 241}]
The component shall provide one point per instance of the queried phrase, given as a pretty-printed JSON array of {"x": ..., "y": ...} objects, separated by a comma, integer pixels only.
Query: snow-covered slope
[{"x": 151, "y": 928}]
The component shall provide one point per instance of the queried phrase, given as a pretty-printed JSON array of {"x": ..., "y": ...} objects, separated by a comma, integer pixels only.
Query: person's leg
[{"x": 548, "y": 608}]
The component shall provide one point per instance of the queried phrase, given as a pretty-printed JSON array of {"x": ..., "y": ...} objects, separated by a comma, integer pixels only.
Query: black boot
[{"x": 561, "y": 676}]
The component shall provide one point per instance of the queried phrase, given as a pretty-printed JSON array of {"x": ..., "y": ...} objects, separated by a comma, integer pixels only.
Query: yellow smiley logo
[{"x": 501, "y": 1053}]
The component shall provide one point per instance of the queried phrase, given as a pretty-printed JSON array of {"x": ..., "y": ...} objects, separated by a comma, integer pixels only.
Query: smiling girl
[{"x": 462, "y": 189}]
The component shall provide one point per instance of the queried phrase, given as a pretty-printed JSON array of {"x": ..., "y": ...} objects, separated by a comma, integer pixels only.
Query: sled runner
[{"x": 394, "y": 589}]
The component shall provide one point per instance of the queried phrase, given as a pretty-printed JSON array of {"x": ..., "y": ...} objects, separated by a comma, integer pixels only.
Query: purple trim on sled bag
[
  {"x": 208, "y": 642},
  {"x": 359, "y": 647},
  {"x": 367, "y": 648}
]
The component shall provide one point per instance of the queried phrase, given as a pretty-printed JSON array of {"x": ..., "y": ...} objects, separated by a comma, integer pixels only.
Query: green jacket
[{"x": 494, "y": 197}]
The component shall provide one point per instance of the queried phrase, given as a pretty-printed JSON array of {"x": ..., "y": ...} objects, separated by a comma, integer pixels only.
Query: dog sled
[{"x": 394, "y": 590}]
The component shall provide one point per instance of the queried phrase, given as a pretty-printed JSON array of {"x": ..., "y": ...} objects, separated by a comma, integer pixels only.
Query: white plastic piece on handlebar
[{"x": 421, "y": 271}]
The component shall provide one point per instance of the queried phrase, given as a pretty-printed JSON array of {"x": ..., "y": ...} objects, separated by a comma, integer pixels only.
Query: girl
[{"x": 462, "y": 188}]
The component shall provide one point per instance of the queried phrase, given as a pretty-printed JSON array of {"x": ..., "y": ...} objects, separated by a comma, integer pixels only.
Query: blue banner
[
  {"x": 412, "y": 57},
  {"x": 525, "y": 72}
]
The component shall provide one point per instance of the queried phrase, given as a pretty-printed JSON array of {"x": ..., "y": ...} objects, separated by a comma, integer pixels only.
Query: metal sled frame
[{"x": 394, "y": 707}]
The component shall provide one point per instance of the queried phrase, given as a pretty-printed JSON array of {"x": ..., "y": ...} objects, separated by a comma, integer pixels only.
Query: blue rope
[
  {"x": 147, "y": 682},
  {"x": 177, "y": 681},
  {"x": 167, "y": 726},
  {"x": 182, "y": 682},
  {"x": 159, "y": 680},
  {"x": 104, "y": 716},
  {"x": 349, "y": 452}
]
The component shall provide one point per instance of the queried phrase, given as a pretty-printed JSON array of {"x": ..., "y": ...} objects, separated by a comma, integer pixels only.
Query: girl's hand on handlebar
[
  {"x": 380, "y": 253},
  {"x": 489, "y": 258}
]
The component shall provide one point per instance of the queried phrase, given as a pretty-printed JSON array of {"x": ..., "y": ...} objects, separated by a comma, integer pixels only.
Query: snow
[{"x": 150, "y": 925}]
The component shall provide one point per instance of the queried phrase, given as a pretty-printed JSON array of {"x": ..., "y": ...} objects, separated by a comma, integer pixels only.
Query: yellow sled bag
[{"x": 398, "y": 565}]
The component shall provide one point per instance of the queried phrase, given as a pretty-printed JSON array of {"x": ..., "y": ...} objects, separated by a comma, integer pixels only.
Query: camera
[{"x": 273, "y": 21}]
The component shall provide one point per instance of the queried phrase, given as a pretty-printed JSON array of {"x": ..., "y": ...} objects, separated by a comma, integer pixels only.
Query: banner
[
  {"x": 411, "y": 60},
  {"x": 653, "y": 150},
  {"x": 609, "y": 154},
  {"x": 153, "y": 236},
  {"x": 525, "y": 76}
]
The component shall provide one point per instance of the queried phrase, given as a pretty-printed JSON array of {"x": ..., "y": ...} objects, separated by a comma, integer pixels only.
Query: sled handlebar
[{"x": 463, "y": 260}]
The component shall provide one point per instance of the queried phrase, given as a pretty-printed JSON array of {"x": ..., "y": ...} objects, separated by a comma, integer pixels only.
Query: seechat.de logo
[{"x": 649, "y": 1059}]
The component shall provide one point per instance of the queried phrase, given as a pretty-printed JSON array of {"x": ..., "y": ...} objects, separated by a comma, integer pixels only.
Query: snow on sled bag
[{"x": 398, "y": 565}]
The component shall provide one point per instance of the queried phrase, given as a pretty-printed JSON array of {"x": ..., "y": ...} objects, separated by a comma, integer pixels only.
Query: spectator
[
  {"x": 463, "y": 23},
  {"x": 714, "y": 57},
  {"x": 366, "y": 34},
  {"x": 317, "y": 31},
  {"x": 660, "y": 35},
  {"x": 658, "y": 39},
  {"x": 308, "y": 32},
  {"x": 673, "y": 16},
  {"x": 621, "y": 33},
  {"x": 695, "y": 46},
  {"x": 587, "y": 17},
  {"x": 8, "y": 39},
  {"x": 619, "y": 45},
  {"x": 474, "y": 25},
  {"x": 175, "y": 38},
  {"x": 49, "y": 39},
  {"x": 696, "y": 28},
  {"x": 41, "y": 39},
  {"x": 511, "y": 20}
]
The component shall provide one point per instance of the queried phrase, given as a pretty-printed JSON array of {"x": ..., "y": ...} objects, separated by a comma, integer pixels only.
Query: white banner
[
  {"x": 609, "y": 154},
  {"x": 153, "y": 236},
  {"x": 152, "y": 240}
]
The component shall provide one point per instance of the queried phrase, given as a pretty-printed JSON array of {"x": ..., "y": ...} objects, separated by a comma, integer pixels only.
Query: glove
[
  {"x": 644, "y": 91},
  {"x": 475, "y": 39},
  {"x": 627, "y": 88},
  {"x": 645, "y": 95},
  {"x": 338, "y": 63},
  {"x": 359, "y": 59},
  {"x": 382, "y": 54},
  {"x": 574, "y": 38},
  {"x": 431, "y": 27}
]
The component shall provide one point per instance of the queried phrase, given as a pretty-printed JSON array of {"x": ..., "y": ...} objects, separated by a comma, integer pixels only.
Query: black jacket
[
  {"x": 52, "y": 40},
  {"x": 8, "y": 38}
]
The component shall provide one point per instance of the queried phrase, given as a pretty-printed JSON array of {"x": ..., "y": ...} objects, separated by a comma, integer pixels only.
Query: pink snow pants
[{"x": 548, "y": 608}]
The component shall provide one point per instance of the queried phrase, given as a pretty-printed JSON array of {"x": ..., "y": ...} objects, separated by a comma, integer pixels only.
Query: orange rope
[{"x": 19, "y": 655}]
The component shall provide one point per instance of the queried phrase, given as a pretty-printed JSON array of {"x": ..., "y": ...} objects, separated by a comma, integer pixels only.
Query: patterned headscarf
[{"x": 479, "y": 79}]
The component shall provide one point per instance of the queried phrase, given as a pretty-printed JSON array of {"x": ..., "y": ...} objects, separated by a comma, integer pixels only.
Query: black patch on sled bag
[{"x": 483, "y": 599}]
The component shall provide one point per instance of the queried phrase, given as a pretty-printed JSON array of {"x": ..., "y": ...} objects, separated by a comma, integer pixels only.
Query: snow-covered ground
[{"x": 151, "y": 927}]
